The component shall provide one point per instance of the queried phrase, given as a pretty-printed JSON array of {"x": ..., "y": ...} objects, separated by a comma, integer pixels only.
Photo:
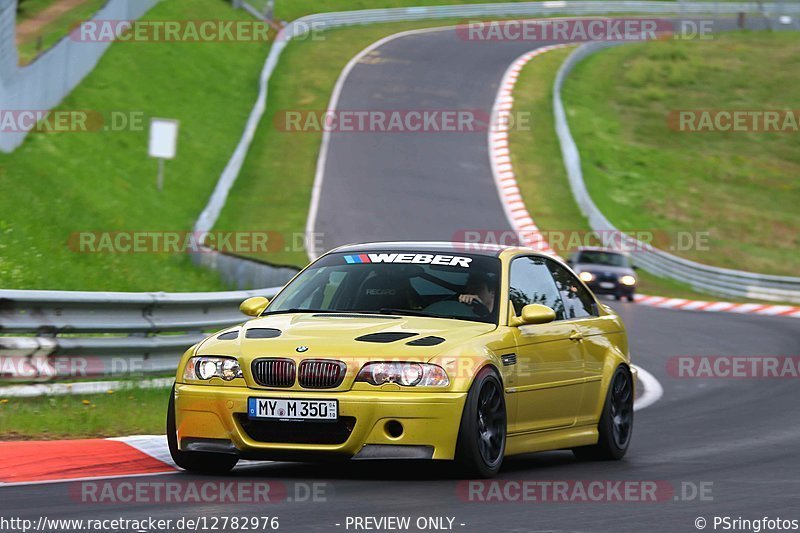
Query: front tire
[
  {"x": 200, "y": 462},
  {"x": 481, "y": 441},
  {"x": 616, "y": 422}
]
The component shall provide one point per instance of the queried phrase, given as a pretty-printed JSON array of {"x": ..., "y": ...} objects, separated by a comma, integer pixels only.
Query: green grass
[
  {"x": 273, "y": 191},
  {"x": 536, "y": 157},
  {"x": 28, "y": 8},
  {"x": 51, "y": 33},
  {"x": 292, "y": 9},
  {"x": 57, "y": 184},
  {"x": 125, "y": 412},
  {"x": 741, "y": 188}
]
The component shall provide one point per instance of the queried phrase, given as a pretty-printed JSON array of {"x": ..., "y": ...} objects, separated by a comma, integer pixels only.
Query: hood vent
[
  {"x": 228, "y": 335},
  {"x": 386, "y": 336},
  {"x": 262, "y": 333},
  {"x": 426, "y": 341}
]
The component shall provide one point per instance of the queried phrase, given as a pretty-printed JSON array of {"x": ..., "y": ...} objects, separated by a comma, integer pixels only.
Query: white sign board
[{"x": 163, "y": 138}]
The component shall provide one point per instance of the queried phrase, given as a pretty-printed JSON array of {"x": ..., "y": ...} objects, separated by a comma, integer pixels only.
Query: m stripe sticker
[{"x": 361, "y": 258}]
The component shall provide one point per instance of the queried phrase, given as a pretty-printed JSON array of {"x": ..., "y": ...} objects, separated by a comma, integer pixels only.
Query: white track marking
[
  {"x": 153, "y": 445},
  {"x": 653, "y": 391}
]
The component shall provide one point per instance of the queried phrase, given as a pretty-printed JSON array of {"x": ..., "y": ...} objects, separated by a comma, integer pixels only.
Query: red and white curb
[
  {"x": 32, "y": 462},
  {"x": 520, "y": 218},
  {"x": 718, "y": 307},
  {"x": 58, "y": 461},
  {"x": 500, "y": 156}
]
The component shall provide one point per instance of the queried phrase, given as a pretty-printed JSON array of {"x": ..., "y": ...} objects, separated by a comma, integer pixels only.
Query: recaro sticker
[{"x": 419, "y": 259}]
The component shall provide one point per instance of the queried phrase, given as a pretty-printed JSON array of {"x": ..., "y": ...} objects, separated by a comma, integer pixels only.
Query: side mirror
[
  {"x": 254, "y": 306},
  {"x": 534, "y": 314}
]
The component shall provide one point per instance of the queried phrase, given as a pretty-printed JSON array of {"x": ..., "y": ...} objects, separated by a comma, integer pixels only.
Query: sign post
[{"x": 163, "y": 143}]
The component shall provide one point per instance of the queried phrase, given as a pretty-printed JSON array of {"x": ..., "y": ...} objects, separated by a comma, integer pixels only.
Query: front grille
[
  {"x": 321, "y": 373},
  {"x": 274, "y": 372},
  {"x": 277, "y": 431}
]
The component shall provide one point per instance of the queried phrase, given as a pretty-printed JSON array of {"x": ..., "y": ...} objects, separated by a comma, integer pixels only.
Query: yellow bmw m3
[{"x": 410, "y": 350}]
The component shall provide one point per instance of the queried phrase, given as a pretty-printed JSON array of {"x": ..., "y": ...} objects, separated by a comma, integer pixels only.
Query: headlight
[
  {"x": 205, "y": 368},
  {"x": 405, "y": 374},
  {"x": 586, "y": 276},
  {"x": 627, "y": 280}
]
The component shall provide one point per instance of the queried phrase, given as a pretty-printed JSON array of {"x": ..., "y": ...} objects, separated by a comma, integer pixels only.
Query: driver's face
[{"x": 487, "y": 297}]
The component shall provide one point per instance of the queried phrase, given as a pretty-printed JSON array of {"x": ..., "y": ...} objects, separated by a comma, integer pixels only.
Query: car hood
[{"x": 343, "y": 336}]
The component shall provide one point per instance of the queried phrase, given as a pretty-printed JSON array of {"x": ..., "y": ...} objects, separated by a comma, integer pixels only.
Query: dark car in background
[{"x": 605, "y": 271}]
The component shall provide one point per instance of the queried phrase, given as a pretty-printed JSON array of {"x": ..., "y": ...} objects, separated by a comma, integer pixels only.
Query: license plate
[
  {"x": 282, "y": 409},
  {"x": 606, "y": 285}
]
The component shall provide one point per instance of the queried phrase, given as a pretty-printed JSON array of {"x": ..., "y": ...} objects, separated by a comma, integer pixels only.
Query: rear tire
[
  {"x": 481, "y": 441},
  {"x": 200, "y": 462},
  {"x": 616, "y": 422}
]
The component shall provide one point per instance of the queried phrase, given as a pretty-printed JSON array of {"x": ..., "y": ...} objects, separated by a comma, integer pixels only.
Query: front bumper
[{"x": 213, "y": 418}]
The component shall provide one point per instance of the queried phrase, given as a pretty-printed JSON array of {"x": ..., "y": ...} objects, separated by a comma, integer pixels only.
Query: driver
[{"x": 479, "y": 289}]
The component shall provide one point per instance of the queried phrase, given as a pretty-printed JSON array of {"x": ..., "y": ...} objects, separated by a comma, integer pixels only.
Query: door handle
[{"x": 576, "y": 336}]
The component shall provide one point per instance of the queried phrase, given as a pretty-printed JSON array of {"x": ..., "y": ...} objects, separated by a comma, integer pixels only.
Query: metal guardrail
[
  {"x": 75, "y": 334},
  {"x": 705, "y": 278}
]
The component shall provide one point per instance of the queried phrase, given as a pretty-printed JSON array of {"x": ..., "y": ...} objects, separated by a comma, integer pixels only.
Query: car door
[
  {"x": 549, "y": 358},
  {"x": 581, "y": 309}
]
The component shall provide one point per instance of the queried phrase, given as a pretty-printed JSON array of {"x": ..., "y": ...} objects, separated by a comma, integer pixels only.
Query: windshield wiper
[
  {"x": 410, "y": 312},
  {"x": 298, "y": 310}
]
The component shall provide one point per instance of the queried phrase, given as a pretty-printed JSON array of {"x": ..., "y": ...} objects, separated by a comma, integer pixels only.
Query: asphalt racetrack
[{"x": 724, "y": 447}]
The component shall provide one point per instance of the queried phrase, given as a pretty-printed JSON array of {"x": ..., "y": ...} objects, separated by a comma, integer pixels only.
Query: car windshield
[
  {"x": 600, "y": 257},
  {"x": 426, "y": 283}
]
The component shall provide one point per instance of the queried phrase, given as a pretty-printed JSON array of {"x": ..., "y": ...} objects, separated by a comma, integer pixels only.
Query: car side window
[
  {"x": 530, "y": 282},
  {"x": 578, "y": 302}
]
